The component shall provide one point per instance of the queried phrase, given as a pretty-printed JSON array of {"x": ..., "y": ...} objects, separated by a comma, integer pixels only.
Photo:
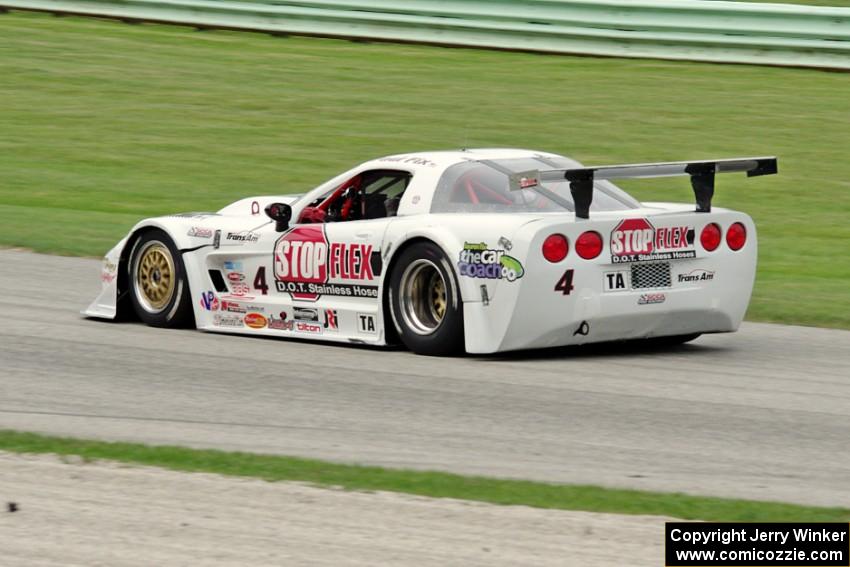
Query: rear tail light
[
  {"x": 710, "y": 237},
  {"x": 736, "y": 236},
  {"x": 555, "y": 247},
  {"x": 589, "y": 245}
]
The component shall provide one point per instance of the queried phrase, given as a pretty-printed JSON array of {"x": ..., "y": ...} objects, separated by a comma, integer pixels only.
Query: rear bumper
[
  {"x": 600, "y": 319},
  {"x": 535, "y": 315}
]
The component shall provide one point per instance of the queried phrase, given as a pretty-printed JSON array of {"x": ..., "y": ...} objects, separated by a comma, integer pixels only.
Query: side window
[
  {"x": 382, "y": 193},
  {"x": 370, "y": 194}
]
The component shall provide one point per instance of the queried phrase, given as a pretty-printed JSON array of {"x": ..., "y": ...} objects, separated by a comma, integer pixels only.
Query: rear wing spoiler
[{"x": 701, "y": 173}]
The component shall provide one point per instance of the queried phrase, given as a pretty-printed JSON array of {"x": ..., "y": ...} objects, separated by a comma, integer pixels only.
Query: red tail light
[
  {"x": 555, "y": 247},
  {"x": 736, "y": 236},
  {"x": 589, "y": 245},
  {"x": 710, "y": 237}
]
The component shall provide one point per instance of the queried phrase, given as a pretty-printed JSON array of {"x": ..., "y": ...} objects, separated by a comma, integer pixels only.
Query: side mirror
[{"x": 280, "y": 213}]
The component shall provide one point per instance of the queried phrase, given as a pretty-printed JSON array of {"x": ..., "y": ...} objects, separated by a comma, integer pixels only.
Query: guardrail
[{"x": 733, "y": 32}]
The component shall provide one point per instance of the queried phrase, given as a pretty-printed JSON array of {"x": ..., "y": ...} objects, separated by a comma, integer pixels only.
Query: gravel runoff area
[{"x": 74, "y": 513}]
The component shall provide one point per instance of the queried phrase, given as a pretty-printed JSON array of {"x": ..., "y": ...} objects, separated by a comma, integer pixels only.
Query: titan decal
[{"x": 308, "y": 328}]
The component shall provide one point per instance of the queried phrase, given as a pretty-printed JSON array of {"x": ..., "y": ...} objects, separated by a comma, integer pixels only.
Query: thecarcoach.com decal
[{"x": 478, "y": 260}]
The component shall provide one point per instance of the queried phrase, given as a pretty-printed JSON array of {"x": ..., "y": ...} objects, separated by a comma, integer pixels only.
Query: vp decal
[
  {"x": 209, "y": 302},
  {"x": 307, "y": 266},
  {"x": 637, "y": 240}
]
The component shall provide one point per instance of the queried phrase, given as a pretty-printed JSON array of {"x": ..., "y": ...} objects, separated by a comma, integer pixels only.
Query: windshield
[{"x": 483, "y": 187}]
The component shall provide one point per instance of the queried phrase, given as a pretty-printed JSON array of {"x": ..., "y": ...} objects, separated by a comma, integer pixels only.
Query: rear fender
[
  {"x": 459, "y": 237},
  {"x": 469, "y": 244}
]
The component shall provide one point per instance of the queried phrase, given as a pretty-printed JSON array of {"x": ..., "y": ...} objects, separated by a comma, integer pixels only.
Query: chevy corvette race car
[{"x": 475, "y": 250}]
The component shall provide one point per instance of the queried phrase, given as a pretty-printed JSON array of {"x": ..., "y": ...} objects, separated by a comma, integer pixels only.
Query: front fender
[
  {"x": 105, "y": 305},
  {"x": 178, "y": 227}
]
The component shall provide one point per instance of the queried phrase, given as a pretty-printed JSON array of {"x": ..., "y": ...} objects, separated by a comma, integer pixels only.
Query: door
[{"x": 329, "y": 264}]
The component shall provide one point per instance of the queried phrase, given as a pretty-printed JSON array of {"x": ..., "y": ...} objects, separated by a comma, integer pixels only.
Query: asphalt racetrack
[{"x": 762, "y": 414}]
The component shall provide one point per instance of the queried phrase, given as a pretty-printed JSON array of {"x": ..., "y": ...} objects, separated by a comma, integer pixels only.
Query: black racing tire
[
  {"x": 671, "y": 341},
  {"x": 425, "y": 303},
  {"x": 157, "y": 283}
]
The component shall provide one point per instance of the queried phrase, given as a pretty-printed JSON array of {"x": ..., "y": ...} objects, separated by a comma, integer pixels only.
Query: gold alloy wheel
[
  {"x": 154, "y": 279},
  {"x": 438, "y": 296},
  {"x": 423, "y": 297}
]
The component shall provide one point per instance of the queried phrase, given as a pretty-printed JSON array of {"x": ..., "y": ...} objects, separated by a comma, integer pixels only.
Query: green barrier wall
[{"x": 769, "y": 34}]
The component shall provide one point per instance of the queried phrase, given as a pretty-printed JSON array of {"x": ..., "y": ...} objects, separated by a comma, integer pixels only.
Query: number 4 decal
[
  {"x": 260, "y": 281},
  {"x": 565, "y": 284}
]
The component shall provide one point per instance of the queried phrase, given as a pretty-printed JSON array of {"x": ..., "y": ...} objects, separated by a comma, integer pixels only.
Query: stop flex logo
[
  {"x": 637, "y": 240},
  {"x": 307, "y": 266}
]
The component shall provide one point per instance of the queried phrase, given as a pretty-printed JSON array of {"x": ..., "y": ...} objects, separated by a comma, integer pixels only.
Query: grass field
[
  {"x": 433, "y": 484},
  {"x": 103, "y": 123}
]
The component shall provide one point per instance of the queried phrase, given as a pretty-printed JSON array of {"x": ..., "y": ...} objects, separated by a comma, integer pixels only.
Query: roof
[{"x": 443, "y": 159}]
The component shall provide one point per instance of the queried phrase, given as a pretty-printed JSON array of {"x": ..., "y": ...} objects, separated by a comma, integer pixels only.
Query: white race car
[{"x": 476, "y": 250}]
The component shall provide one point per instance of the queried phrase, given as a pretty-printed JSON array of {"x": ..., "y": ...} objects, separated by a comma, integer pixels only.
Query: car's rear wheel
[
  {"x": 159, "y": 290},
  {"x": 425, "y": 302}
]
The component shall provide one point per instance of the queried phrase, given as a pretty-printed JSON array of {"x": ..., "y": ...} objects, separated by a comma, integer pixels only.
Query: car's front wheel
[
  {"x": 425, "y": 301},
  {"x": 159, "y": 290}
]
